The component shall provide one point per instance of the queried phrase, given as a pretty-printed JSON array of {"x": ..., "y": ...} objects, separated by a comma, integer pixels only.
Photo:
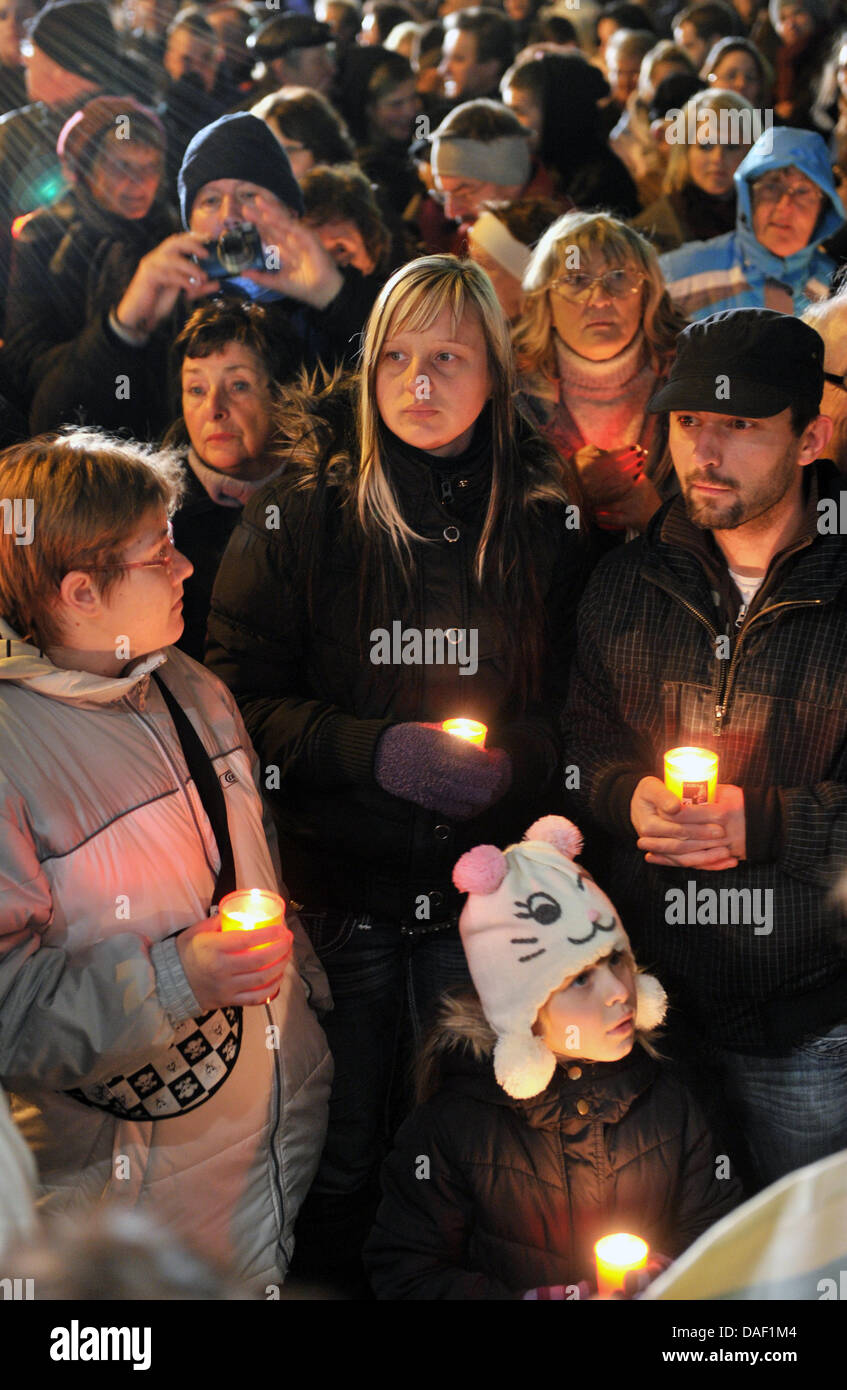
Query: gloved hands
[{"x": 420, "y": 763}]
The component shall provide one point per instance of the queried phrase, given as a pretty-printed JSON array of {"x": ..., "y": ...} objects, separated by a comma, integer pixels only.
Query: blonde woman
[
  {"x": 416, "y": 562},
  {"x": 595, "y": 340},
  {"x": 698, "y": 195}
]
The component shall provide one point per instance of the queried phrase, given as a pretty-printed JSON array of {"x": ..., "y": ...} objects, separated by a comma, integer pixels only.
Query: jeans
[
  {"x": 781, "y": 1112},
  {"x": 386, "y": 987}
]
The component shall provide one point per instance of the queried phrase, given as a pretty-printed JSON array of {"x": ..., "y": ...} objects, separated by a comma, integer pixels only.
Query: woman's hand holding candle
[
  {"x": 423, "y": 764},
  {"x": 222, "y": 968},
  {"x": 710, "y": 836}
]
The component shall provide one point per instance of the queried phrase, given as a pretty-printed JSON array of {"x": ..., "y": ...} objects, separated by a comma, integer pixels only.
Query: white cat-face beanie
[{"x": 533, "y": 918}]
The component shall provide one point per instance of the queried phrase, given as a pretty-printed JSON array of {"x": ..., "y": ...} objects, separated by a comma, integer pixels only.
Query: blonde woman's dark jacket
[{"x": 316, "y": 703}]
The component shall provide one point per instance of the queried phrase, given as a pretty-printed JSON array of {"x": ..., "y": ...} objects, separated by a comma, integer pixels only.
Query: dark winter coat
[
  {"x": 316, "y": 705},
  {"x": 651, "y": 675},
  {"x": 688, "y": 214},
  {"x": 30, "y": 173},
  {"x": 70, "y": 264},
  {"x": 516, "y": 1192}
]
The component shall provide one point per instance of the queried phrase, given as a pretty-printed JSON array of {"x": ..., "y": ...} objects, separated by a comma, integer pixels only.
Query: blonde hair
[
  {"x": 414, "y": 297},
  {"x": 665, "y": 51},
  {"x": 89, "y": 493},
  {"x": 619, "y": 245},
  {"x": 678, "y": 173}
]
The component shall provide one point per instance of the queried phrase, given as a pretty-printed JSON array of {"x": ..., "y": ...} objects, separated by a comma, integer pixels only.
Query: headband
[
  {"x": 503, "y": 161},
  {"x": 489, "y": 233}
]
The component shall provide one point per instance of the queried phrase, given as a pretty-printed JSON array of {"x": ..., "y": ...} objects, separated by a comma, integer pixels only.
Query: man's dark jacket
[{"x": 651, "y": 674}]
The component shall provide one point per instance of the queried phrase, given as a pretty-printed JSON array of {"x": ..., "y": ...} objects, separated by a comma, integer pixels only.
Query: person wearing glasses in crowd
[
  {"x": 131, "y": 1026},
  {"x": 788, "y": 204},
  {"x": 595, "y": 340}
]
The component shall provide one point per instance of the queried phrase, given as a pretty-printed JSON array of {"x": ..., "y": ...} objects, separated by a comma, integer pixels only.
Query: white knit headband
[
  {"x": 491, "y": 235},
  {"x": 502, "y": 161}
]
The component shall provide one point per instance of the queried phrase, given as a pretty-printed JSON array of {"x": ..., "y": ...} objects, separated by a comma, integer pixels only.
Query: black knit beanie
[
  {"x": 238, "y": 146},
  {"x": 78, "y": 35}
]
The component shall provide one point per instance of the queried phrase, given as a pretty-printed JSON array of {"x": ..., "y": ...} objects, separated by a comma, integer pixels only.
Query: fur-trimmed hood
[
  {"x": 317, "y": 431},
  {"x": 459, "y": 1055}
]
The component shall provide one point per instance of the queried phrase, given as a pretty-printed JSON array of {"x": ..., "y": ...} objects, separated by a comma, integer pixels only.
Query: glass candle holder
[
  {"x": 249, "y": 909},
  {"x": 692, "y": 774},
  {"x": 616, "y": 1257}
]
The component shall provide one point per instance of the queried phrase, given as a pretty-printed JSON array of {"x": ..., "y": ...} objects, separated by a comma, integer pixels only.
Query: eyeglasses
[
  {"x": 803, "y": 195},
  {"x": 618, "y": 283},
  {"x": 165, "y": 559}
]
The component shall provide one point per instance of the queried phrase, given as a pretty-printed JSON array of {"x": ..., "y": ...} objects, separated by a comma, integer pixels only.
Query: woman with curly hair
[
  {"x": 596, "y": 339},
  {"x": 417, "y": 560}
]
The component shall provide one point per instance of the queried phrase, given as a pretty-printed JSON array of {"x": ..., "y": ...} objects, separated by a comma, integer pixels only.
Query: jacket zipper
[{"x": 726, "y": 679}]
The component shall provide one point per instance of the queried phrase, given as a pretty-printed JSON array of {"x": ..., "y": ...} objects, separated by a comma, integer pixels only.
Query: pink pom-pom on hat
[
  {"x": 559, "y": 832},
  {"x": 481, "y": 870}
]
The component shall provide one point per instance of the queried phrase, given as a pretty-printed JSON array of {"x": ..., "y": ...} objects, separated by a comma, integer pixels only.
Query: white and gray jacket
[{"x": 106, "y": 852}]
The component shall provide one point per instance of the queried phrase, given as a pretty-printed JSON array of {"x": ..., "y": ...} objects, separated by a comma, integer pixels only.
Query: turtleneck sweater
[
  {"x": 223, "y": 489},
  {"x": 607, "y": 400}
]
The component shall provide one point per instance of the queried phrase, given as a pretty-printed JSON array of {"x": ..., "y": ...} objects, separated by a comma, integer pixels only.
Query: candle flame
[{"x": 621, "y": 1249}]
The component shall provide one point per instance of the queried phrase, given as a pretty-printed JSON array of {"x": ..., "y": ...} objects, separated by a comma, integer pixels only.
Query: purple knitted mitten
[{"x": 422, "y": 764}]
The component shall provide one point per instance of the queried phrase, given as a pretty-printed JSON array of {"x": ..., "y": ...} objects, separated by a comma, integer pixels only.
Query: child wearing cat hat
[{"x": 547, "y": 1120}]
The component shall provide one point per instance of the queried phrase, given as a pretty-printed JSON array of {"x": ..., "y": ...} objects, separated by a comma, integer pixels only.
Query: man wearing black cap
[
  {"x": 725, "y": 627},
  {"x": 316, "y": 310},
  {"x": 295, "y": 50},
  {"x": 71, "y": 54}
]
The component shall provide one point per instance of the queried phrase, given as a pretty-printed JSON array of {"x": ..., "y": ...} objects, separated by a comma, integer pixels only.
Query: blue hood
[{"x": 776, "y": 149}]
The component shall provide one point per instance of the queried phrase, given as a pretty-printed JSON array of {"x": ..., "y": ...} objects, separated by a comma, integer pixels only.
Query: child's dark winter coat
[{"x": 485, "y": 1197}]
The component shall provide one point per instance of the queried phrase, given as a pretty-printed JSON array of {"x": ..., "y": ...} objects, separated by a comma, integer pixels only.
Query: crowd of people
[{"x": 368, "y": 367}]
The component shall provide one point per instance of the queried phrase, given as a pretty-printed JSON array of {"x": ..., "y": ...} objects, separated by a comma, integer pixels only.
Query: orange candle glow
[
  {"x": 616, "y": 1255},
  {"x": 248, "y": 909},
  {"x": 692, "y": 774},
  {"x": 469, "y": 729}
]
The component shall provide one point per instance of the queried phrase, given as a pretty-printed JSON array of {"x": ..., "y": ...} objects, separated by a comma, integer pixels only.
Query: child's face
[{"x": 592, "y": 1017}]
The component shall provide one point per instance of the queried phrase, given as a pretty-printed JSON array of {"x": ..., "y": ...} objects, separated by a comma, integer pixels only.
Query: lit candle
[
  {"x": 469, "y": 729},
  {"x": 249, "y": 909},
  {"x": 616, "y": 1256},
  {"x": 692, "y": 774}
]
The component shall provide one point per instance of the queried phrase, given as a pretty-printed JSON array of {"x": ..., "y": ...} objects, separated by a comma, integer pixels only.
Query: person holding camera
[{"x": 315, "y": 309}]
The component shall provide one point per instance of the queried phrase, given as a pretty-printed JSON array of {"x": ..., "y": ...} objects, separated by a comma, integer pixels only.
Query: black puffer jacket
[
  {"x": 517, "y": 1191},
  {"x": 316, "y": 705}
]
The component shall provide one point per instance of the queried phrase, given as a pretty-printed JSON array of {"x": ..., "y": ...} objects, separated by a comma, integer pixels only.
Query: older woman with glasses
[
  {"x": 787, "y": 205},
  {"x": 595, "y": 340}
]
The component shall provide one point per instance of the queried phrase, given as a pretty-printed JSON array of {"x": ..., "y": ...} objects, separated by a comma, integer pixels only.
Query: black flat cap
[
  {"x": 752, "y": 362},
  {"x": 276, "y": 36}
]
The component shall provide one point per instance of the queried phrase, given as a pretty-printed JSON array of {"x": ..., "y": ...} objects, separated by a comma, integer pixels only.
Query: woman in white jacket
[{"x": 144, "y": 1061}]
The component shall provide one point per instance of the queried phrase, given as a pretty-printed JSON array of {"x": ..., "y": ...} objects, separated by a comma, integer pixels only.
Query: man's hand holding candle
[
  {"x": 222, "y": 968},
  {"x": 709, "y": 836}
]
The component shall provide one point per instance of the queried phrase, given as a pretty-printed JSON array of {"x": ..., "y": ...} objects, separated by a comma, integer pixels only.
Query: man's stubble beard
[{"x": 743, "y": 510}]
